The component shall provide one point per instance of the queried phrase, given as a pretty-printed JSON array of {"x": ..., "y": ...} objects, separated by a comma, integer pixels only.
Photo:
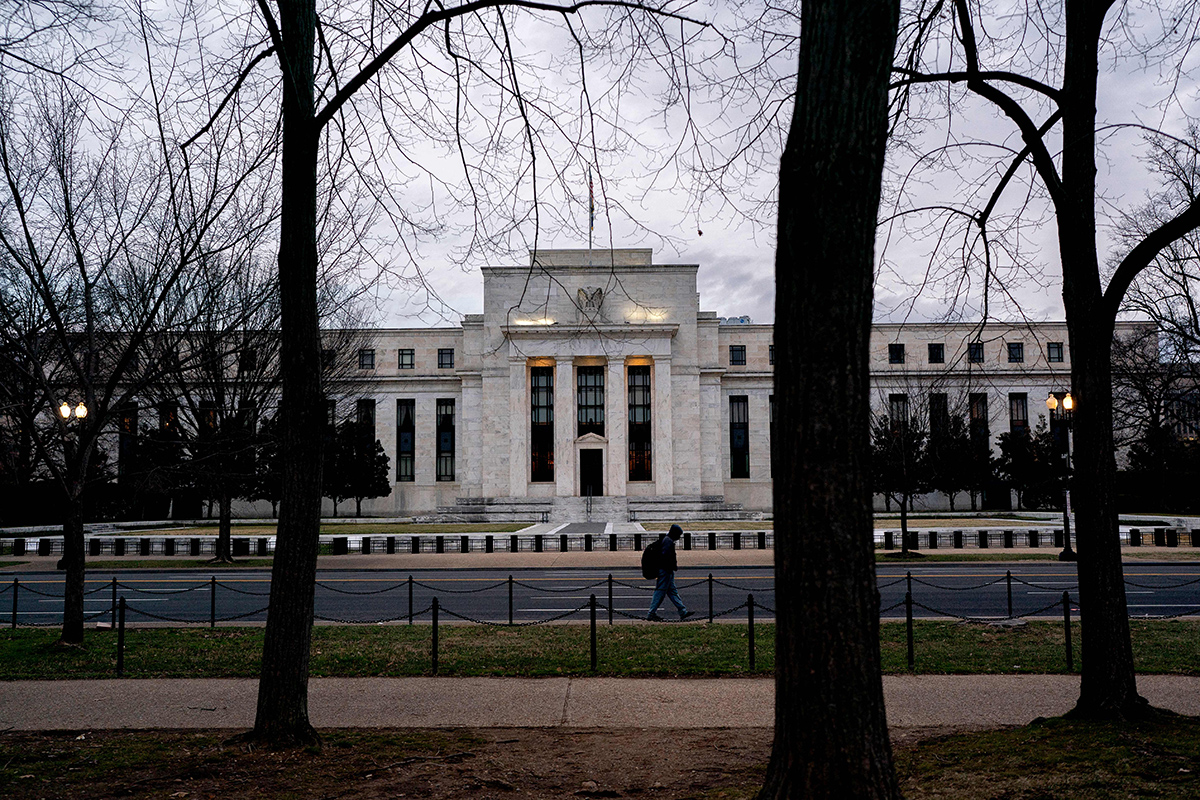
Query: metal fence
[{"x": 121, "y": 608}]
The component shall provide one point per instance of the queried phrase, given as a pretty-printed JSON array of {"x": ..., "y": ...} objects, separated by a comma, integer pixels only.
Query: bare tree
[
  {"x": 99, "y": 234},
  {"x": 831, "y": 736},
  {"x": 1040, "y": 70},
  {"x": 411, "y": 88}
]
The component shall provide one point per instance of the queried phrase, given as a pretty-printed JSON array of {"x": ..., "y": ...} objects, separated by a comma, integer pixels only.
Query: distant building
[{"x": 597, "y": 374}]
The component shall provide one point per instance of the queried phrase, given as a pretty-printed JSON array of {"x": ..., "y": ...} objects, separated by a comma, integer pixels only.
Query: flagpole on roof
[{"x": 591, "y": 215}]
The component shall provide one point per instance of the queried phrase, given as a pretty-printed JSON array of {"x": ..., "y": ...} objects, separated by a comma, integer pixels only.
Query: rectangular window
[
  {"x": 168, "y": 416},
  {"x": 1054, "y": 352},
  {"x": 975, "y": 352},
  {"x": 895, "y": 354},
  {"x": 589, "y": 400},
  {"x": 739, "y": 436},
  {"x": 898, "y": 409},
  {"x": 541, "y": 432},
  {"x": 364, "y": 412},
  {"x": 980, "y": 434},
  {"x": 209, "y": 416},
  {"x": 406, "y": 358},
  {"x": 639, "y": 424},
  {"x": 939, "y": 414},
  {"x": 737, "y": 355},
  {"x": 406, "y": 431},
  {"x": 366, "y": 358},
  {"x": 1016, "y": 352},
  {"x": 770, "y": 354},
  {"x": 127, "y": 439},
  {"x": 331, "y": 412},
  {"x": 445, "y": 439},
  {"x": 328, "y": 354},
  {"x": 247, "y": 360},
  {"x": 1018, "y": 413},
  {"x": 937, "y": 353},
  {"x": 445, "y": 358}
]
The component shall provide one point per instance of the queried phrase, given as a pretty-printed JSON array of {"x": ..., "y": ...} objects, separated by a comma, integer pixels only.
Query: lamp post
[
  {"x": 70, "y": 417},
  {"x": 1061, "y": 413}
]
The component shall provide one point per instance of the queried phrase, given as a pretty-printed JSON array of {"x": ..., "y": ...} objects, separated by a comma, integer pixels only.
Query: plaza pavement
[{"x": 919, "y": 702}]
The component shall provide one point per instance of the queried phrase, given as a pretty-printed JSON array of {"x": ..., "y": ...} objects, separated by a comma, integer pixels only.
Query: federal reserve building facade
[{"x": 594, "y": 382}]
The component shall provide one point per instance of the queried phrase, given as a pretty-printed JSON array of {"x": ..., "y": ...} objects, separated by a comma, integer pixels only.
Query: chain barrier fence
[{"x": 120, "y": 608}]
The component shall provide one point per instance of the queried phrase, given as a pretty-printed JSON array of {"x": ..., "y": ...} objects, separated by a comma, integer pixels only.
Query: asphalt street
[{"x": 541, "y": 594}]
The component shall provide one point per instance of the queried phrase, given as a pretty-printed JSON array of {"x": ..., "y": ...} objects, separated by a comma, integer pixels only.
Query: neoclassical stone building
[{"x": 597, "y": 373}]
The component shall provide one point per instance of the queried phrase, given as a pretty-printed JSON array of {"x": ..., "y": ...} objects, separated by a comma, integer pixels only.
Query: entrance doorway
[{"x": 591, "y": 473}]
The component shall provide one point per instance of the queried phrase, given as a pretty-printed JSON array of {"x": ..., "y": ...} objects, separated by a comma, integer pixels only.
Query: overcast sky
[{"x": 736, "y": 255}]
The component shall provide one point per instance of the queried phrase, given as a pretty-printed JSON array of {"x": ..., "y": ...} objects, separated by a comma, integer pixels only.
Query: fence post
[
  {"x": 710, "y": 603},
  {"x": 1066, "y": 601},
  {"x": 762, "y": 540},
  {"x": 410, "y": 604},
  {"x": 908, "y": 624},
  {"x": 1008, "y": 580},
  {"x": 16, "y": 588},
  {"x": 212, "y": 602},
  {"x": 712, "y": 540},
  {"x": 121, "y": 639},
  {"x": 510, "y": 600},
  {"x": 908, "y": 582},
  {"x": 113, "y": 619},
  {"x": 750, "y": 622},
  {"x": 610, "y": 599},
  {"x": 592, "y": 604},
  {"x": 435, "y": 636}
]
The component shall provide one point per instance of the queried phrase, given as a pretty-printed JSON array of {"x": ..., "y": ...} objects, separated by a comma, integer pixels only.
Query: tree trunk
[
  {"x": 904, "y": 524},
  {"x": 1108, "y": 686},
  {"x": 358, "y": 506},
  {"x": 950, "y": 497},
  {"x": 282, "y": 716},
  {"x": 73, "y": 564},
  {"x": 224, "y": 553},
  {"x": 831, "y": 738}
]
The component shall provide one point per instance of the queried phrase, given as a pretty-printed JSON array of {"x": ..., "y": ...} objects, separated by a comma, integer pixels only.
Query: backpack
[{"x": 650, "y": 558}]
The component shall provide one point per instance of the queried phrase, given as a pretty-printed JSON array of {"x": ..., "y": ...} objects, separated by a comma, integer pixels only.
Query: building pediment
[{"x": 591, "y": 438}]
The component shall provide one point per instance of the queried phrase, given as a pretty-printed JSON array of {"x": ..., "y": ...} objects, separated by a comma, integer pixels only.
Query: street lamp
[
  {"x": 1062, "y": 414},
  {"x": 65, "y": 411}
]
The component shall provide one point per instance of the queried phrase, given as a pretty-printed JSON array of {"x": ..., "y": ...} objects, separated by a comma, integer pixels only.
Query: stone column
[
  {"x": 518, "y": 414},
  {"x": 660, "y": 426},
  {"x": 471, "y": 435},
  {"x": 565, "y": 484},
  {"x": 616, "y": 428}
]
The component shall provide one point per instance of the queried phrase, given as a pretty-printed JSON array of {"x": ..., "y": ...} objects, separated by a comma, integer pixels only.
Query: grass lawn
[{"x": 693, "y": 650}]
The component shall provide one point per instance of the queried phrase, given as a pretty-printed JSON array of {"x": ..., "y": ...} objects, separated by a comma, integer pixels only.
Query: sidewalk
[{"x": 969, "y": 702}]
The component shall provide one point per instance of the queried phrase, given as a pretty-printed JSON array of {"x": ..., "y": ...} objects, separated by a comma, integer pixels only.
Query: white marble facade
[{"x": 609, "y": 311}]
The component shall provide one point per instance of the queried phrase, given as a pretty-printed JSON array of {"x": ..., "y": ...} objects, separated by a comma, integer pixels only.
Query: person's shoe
[
  {"x": 685, "y": 615},
  {"x": 654, "y": 617}
]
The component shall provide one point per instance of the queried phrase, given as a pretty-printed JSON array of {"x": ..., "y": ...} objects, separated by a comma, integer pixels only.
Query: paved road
[{"x": 540, "y": 594}]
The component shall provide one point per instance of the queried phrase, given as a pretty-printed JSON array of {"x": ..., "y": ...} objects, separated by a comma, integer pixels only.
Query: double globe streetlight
[
  {"x": 66, "y": 412},
  {"x": 1062, "y": 412}
]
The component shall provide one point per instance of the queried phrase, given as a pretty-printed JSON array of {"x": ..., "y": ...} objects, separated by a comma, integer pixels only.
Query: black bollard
[
  {"x": 1066, "y": 601},
  {"x": 750, "y": 624}
]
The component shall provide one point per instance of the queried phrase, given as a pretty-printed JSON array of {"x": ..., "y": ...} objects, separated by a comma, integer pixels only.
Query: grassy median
[{"x": 694, "y": 650}]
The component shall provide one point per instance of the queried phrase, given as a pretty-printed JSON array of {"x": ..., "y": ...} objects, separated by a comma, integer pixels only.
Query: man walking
[{"x": 665, "y": 587}]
